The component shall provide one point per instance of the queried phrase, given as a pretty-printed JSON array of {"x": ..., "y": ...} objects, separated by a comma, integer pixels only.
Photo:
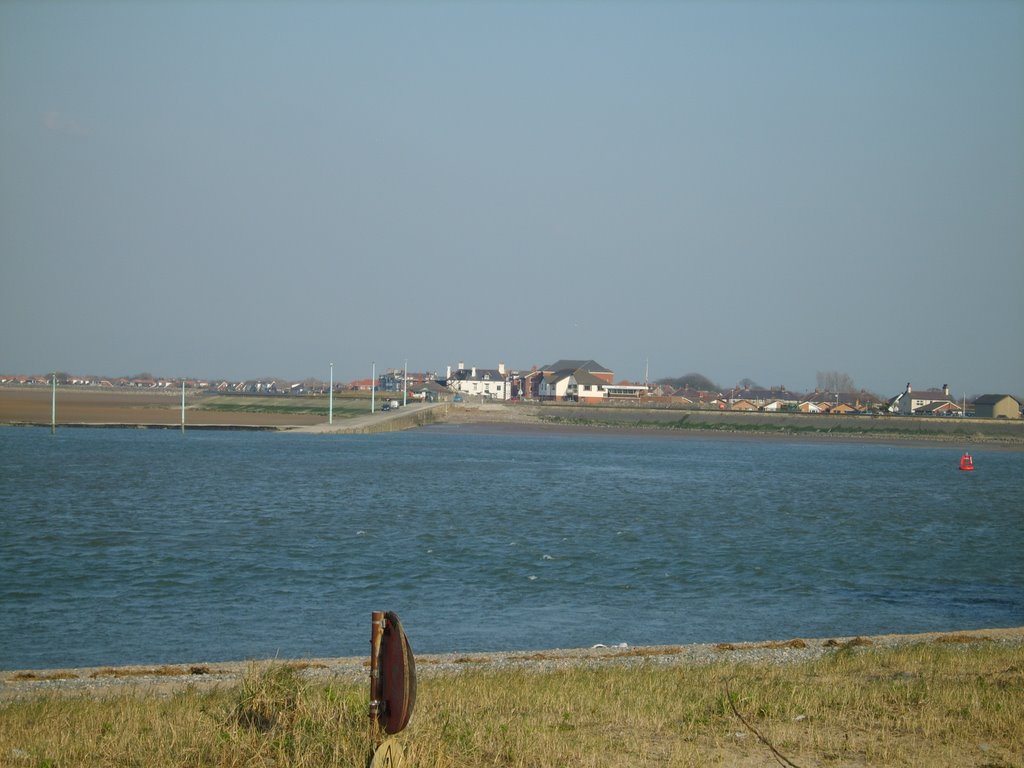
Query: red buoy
[{"x": 966, "y": 462}]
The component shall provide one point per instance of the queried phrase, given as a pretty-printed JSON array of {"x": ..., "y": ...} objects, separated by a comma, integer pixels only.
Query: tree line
[{"x": 827, "y": 381}]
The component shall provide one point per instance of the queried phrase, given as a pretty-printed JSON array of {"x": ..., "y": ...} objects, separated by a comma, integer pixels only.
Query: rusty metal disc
[
  {"x": 388, "y": 755},
  {"x": 398, "y": 676}
]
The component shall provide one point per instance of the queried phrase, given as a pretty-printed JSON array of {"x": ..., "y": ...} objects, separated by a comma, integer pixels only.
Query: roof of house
[
  {"x": 832, "y": 398},
  {"x": 766, "y": 395},
  {"x": 553, "y": 378},
  {"x": 929, "y": 394},
  {"x": 993, "y": 399},
  {"x": 697, "y": 394},
  {"x": 572, "y": 365},
  {"x": 938, "y": 405},
  {"x": 477, "y": 374},
  {"x": 841, "y": 406},
  {"x": 586, "y": 378}
]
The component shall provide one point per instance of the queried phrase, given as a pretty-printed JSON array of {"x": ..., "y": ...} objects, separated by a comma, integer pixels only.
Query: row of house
[
  {"x": 122, "y": 382},
  {"x": 587, "y": 381},
  {"x": 221, "y": 386},
  {"x": 583, "y": 381}
]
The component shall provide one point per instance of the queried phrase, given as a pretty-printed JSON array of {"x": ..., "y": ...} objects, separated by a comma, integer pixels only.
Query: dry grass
[
  {"x": 772, "y": 645},
  {"x": 934, "y": 704},
  {"x": 165, "y": 671},
  {"x": 41, "y": 676}
]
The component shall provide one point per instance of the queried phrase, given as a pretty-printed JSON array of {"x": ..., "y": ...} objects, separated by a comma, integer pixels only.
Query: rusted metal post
[
  {"x": 376, "y": 633},
  {"x": 392, "y": 688}
]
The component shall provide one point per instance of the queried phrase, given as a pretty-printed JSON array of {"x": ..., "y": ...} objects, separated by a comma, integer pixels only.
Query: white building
[
  {"x": 490, "y": 383},
  {"x": 909, "y": 401}
]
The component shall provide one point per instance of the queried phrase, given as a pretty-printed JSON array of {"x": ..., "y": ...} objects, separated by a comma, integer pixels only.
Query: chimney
[
  {"x": 462, "y": 366},
  {"x": 472, "y": 372},
  {"x": 448, "y": 375},
  {"x": 945, "y": 389},
  {"x": 909, "y": 390},
  {"x": 501, "y": 368}
]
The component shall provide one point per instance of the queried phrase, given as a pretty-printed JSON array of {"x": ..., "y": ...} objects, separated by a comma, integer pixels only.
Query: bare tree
[{"x": 835, "y": 381}]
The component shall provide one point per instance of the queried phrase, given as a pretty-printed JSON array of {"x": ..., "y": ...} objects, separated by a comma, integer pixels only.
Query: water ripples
[{"x": 120, "y": 546}]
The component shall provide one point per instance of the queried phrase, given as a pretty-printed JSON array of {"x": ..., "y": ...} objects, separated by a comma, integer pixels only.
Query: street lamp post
[
  {"x": 373, "y": 386},
  {"x": 330, "y": 398}
]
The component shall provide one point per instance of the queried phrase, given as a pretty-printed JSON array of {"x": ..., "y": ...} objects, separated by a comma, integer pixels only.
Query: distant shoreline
[
  {"x": 494, "y": 428},
  {"x": 718, "y": 425},
  {"x": 31, "y": 406}
]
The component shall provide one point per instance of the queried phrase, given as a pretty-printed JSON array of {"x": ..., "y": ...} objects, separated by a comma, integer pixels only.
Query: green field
[{"x": 344, "y": 406}]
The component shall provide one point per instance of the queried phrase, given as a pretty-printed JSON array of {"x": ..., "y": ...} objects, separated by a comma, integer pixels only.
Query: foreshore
[{"x": 168, "y": 678}]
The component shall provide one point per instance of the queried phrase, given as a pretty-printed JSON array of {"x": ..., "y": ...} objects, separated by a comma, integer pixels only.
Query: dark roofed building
[
  {"x": 588, "y": 366},
  {"x": 580, "y": 380},
  {"x": 997, "y": 407}
]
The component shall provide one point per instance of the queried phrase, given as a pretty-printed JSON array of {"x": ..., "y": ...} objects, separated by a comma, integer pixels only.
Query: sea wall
[{"x": 398, "y": 422}]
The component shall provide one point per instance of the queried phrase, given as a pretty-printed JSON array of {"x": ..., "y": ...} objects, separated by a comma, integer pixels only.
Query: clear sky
[{"x": 756, "y": 190}]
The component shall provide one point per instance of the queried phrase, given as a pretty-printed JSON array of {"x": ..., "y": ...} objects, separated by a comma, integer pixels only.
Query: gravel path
[{"x": 164, "y": 680}]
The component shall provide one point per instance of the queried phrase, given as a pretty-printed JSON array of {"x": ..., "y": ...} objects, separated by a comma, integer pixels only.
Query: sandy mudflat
[
  {"x": 165, "y": 679},
  {"x": 120, "y": 407}
]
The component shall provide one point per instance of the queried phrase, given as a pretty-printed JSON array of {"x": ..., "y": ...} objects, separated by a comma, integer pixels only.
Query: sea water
[{"x": 123, "y": 546}]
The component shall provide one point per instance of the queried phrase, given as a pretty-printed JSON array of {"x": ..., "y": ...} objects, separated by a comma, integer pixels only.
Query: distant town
[{"x": 579, "y": 381}]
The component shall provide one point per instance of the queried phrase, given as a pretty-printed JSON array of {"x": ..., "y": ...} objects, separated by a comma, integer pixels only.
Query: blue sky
[{"x": 745, "y": 190}]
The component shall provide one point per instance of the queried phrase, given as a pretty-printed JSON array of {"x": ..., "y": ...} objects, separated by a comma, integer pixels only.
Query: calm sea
[{"x": 147, "y": 546}]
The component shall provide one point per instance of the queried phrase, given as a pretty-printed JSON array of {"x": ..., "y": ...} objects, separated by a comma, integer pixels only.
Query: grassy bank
[
  {"x": 937, "y": 704},
  {"x": 764, "y": 424},
  {"x": 343, "y": 408},
  {"x": 792, "y": 428}
]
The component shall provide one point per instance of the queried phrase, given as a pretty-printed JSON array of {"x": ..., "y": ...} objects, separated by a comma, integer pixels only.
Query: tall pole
[
  {"x": 405, "y": 384},
  {"x": 330, "y": 399},
  {"x": 53, "y": 406},
  {"x": 373, "y": 386},
  {"x": 182, "y": 406},
  {"x": 376, "y": 693}
]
